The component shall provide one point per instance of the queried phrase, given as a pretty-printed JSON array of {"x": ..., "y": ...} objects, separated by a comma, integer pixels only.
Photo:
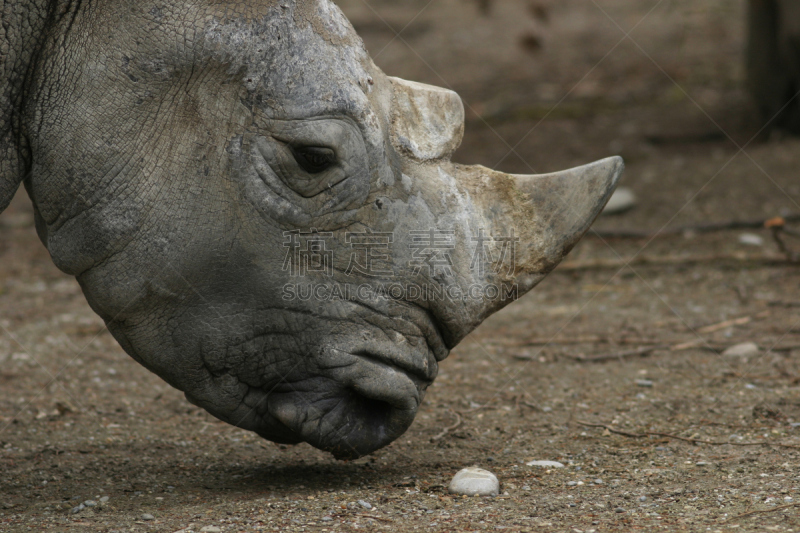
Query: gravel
[
  {"x": 475, "y": 482},
  {"x": 622, "y": 200},
  {"x": 364, "y": 504},
  {"x": 742, "y": 350},
  {"x": 546, "y": 464}
]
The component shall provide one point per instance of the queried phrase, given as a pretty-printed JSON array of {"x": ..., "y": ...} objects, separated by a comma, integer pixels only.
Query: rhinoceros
[{"x": 260, "y": 215}]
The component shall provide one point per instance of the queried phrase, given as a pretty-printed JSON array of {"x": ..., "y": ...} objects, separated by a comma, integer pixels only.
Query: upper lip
[
  {"x": 430, "y": 329},
  {"x": 414, "y": 366}
]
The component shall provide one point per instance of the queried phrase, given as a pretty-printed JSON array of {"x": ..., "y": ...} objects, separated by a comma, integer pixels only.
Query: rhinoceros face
[{"x": 269, "y": 222}]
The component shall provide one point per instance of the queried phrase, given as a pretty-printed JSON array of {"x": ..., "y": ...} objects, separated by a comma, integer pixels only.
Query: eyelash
[{"x": 313, "y": 159}]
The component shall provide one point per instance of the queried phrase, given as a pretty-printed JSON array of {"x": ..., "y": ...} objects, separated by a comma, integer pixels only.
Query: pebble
[
  {"x": 148, "y": 516},
  {"x": 644, "y": 383},
  {"x": 622, "y": 200},
  {"x": 642, "y": 498},
  {"x": 745, "y": 349},
  {"x": 77, "y": 509},
  {"x": 365, "y": 505},
  {"x": 619, "y": 510},
  {"x": 210, "y": 529},
  {"x": 572, "y": 483},
  {"x": 327, "y": 519},
  {"x": 702, "y": 463},
  {"x": 751, "y": 239},
  {"x": 104, "y": 499},
  {"x": 598, "y": 481},
  {"x": 546, "y": 464},
  {"x": 474, "y": 481},
  {"x": 90, "y": 503}
]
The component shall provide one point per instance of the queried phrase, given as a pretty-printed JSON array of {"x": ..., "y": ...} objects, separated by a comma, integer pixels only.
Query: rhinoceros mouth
[{"x": 362, "y": 407}]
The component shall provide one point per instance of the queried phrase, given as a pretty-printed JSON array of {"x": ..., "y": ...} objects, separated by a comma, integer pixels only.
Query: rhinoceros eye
[{"x": 313, "y": 159}]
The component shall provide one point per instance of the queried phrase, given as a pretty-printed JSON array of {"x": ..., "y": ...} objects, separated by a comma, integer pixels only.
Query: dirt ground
[{"x": 546, "y": 86}]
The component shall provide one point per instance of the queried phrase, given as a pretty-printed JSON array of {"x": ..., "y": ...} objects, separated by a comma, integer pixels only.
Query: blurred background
[
  {"x": 551, "y": 84},
  {"x": 682, "y": 331}
]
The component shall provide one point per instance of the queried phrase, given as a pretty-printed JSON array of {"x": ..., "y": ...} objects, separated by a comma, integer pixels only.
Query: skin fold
[{"x": 261, "y": 216}]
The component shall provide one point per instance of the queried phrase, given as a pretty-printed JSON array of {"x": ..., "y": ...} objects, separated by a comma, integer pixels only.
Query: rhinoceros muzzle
[{"x": 364, "y": 394}]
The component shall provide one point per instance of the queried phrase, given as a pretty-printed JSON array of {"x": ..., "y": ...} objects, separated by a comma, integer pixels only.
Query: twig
[
  {"x": 698, "y": 228},
  {"x": 473, "y": 409},
  {"x": 448, "y": 429},
  {"x": 725, "y": 324},
  {"x": 595, "y": 264},
  {"x": 520, "y": 402},
  {"x": 641, "y": 352},
  {"x": 783, "y": 303},
  {"x": 785, "y": 348},
  {"x": 564, "y": 341},
  {"x": 684, "y": 439},
  {"x": 763, "y": 511},
  {"x": 381, "y": 518},
  {"x": 778, "y": 226}
]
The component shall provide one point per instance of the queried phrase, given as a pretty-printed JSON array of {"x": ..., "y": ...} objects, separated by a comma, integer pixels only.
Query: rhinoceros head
[{"x": 265, "y": 219}]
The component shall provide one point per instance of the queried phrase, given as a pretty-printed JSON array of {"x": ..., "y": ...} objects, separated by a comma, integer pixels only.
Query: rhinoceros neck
[{"x": 22, "y": 24}]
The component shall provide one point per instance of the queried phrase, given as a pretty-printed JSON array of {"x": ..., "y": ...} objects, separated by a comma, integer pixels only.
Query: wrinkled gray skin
[{"x": 158, "y": 142}]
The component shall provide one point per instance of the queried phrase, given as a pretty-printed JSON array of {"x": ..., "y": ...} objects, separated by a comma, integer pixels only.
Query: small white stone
[
  {"x": 745, "y": 349},
  {"x": 546, "y": 464},
  {"x": 148, "y": 516},
  {"x": 622, "y": 200},
  {"x": 475, "y": 481},
  {"x": 751, "y": 239},
  {"x": 210, "y": 529}
]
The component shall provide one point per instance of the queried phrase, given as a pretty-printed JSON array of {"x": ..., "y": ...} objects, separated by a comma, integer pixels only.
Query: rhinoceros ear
[
  {"x": 11, "y": 171},
  {"x": 427, "y": 121},
  {"x": 20, "y": 37},
  {"x": 10, "y": 176}
]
